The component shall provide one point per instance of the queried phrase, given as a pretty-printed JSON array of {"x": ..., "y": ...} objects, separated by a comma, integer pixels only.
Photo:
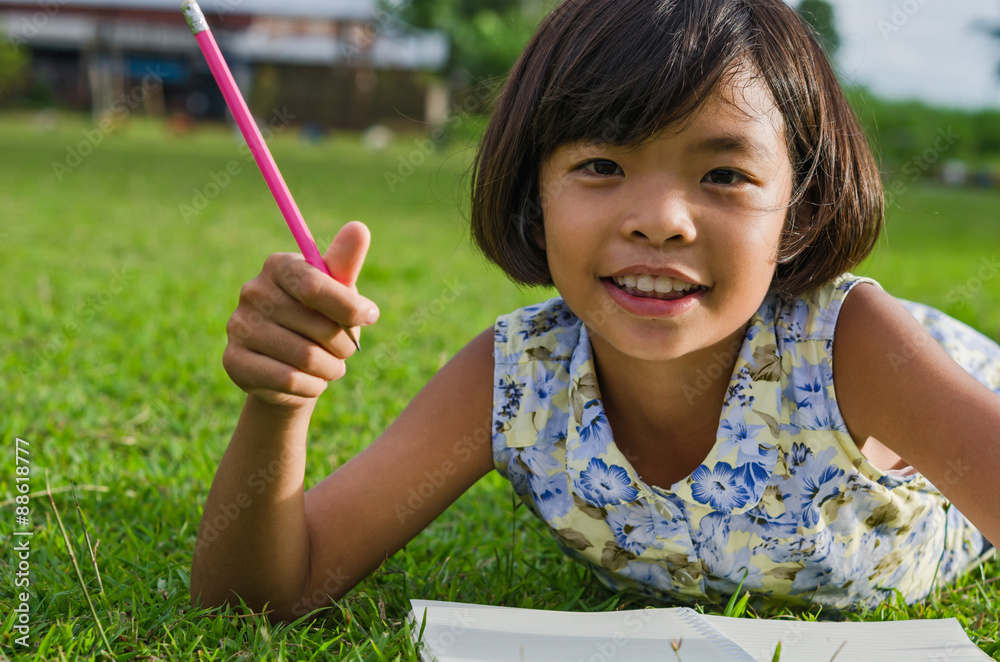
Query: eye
[
  {"x": 602, "y": 167},
  {"x": 725, "y": 177}
]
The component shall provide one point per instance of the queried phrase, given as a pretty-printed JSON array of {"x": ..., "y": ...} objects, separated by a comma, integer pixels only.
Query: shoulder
[
  {"x": 814, "y": 314},
  {"x": 896, "y": 383},
  {"x": 875, "y": 339},
  {"x": 547, "y": 330},
  {"x": 893, "y": 379}
]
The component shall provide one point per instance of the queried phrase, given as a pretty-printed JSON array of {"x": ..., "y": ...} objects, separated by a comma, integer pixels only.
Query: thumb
[{"x": 347, "y": 251}]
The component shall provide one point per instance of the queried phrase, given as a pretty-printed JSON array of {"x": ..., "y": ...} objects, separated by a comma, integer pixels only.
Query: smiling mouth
[{"x": 648, "y": 287}]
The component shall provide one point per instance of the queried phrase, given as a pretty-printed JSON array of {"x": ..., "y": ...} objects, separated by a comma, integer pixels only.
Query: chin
[{"x": 651, "y": 345}]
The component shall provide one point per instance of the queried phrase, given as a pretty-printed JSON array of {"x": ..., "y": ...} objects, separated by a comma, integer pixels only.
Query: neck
[{"x": 678, "y": 399}]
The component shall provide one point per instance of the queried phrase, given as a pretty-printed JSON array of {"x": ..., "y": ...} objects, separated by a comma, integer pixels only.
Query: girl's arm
[
  {"x": 263, "y": 538},
  {"x": 896, "y": 384}
]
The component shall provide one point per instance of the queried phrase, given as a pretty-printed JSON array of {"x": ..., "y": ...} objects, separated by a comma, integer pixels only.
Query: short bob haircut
[{"x": 618, "y": 71}]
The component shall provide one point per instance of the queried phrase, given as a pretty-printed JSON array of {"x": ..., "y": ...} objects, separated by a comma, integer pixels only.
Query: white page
[
  {"x": 886, "y": 641},
  {"x": 458, "y": 632}
]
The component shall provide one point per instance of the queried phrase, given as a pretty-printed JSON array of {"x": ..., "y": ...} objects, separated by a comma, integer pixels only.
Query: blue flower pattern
[
  {"x": 602, "y": 485},
  {"x": 784, "y": 502},
  {"x": 720, "y": 487}
]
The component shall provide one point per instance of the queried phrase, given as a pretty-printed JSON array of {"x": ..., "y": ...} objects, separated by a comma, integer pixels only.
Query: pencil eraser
[{"x": 194, "y": 16}]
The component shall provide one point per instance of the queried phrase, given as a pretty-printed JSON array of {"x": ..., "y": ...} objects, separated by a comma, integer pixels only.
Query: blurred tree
[
  {"x": 12, "y": 63},
  {"x": 486, "y": 35},
  {"x": 995, "y": 31},
  {"x": 819, "y": 14}
]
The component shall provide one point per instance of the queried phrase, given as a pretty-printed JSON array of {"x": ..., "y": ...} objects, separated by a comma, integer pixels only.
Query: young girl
[{"x": 713, "y": 397}]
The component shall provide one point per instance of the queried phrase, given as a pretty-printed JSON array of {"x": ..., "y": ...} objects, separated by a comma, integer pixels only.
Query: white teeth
[
  {"x": 664, "y": 284},
  {"x": 645, "y": 283},
  {"x": 648, "y": 283}
]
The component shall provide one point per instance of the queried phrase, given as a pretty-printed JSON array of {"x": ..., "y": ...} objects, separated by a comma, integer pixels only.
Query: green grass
[{"x": 117, "y": 382}]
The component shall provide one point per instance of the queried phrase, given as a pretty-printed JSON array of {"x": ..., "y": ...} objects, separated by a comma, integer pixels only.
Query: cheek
[
  {"x": 755, "y": 248},
  {"x": 763, "y": 235}
]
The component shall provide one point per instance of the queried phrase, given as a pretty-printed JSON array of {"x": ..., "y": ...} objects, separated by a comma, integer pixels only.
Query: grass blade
[
  {"x": 86, "y": 535},
  {"x": 76, "y": 566},
  {"x": 737, "y": 606}
]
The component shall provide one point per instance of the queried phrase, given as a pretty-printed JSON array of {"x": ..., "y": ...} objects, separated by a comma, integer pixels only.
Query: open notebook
[{"x": 458, "y": 632}]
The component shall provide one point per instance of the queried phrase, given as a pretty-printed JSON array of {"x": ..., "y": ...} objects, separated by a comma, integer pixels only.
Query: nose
[{"x": 658, "y": 214}]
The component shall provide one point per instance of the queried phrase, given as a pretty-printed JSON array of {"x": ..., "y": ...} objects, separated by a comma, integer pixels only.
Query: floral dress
[{"x": 785, "y": 502}]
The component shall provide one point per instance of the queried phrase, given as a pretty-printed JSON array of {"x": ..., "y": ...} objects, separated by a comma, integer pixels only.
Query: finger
[
  {"x": 252, "y": 371},
  {"x": 316, "y": 290},
  {"x": 347, "y": 252},
  {"x": 290, "y": 348},
  {"x": 263, "y": 301},
  {"x": 316, "y": 327}
]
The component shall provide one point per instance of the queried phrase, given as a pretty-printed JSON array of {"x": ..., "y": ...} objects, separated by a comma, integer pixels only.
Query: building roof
[{"x": 320, "y": 9}]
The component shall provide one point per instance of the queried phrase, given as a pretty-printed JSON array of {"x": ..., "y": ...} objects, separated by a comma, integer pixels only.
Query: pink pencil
[{"x": 248, "y": 127}]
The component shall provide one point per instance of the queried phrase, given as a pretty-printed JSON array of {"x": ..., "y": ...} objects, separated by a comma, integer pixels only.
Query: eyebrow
[{"x": 731, "y": 142}]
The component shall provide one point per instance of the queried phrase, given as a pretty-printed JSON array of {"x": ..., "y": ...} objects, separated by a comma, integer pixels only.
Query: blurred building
[{"x": 335, "y": 63}]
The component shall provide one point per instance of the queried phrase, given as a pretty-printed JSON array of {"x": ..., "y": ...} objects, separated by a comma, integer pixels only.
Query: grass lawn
[{"x": 112, "y": 334}]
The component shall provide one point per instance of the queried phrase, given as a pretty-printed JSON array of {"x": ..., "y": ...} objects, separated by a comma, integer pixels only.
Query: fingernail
[{"x": 372, "y": 315}]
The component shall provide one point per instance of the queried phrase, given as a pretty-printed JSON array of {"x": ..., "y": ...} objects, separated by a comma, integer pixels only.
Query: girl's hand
[{"x": 286, "y": 337}]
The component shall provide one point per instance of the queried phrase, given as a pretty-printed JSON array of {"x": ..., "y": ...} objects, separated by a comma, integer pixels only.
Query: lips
[{"x": 646, "y": 301}]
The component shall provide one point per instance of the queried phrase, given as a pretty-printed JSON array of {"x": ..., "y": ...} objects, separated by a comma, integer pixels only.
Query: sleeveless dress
[{"x": 785, "y": 502}]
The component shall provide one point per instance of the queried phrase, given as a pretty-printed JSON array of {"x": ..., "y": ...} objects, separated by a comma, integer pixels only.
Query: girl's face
[{"x": 669, "y": 248}]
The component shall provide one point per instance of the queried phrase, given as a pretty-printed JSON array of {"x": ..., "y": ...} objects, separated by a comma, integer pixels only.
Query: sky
[{"x": 925, "y": 49}]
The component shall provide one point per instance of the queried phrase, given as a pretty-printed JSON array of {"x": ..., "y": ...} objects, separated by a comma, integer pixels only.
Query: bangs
[{"x": 621, "y": 74}]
